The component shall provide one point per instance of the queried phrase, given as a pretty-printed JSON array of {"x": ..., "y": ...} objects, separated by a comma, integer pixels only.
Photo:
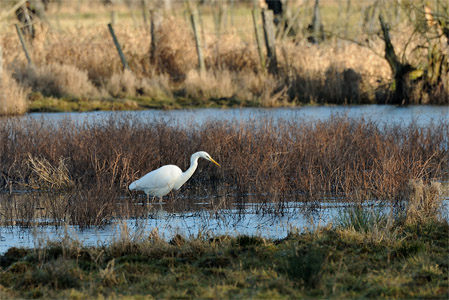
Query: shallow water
[
  {"x": 190, "y": 224},
  {"x": 228, "y": 221},
  {"x": 420, "y": 115}
]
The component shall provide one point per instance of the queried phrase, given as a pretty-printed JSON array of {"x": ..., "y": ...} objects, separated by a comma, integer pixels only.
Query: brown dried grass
[
  {"x": 12, "y": 97},
  {"x": 209, "y": 86},
  {"x": 424, "y": 201},
  {"x": 56, "y": 80},
  {"x": 175, "y": 51},
  {"x": 262, "y": 161},
  {"x": 335, "y": 71}
]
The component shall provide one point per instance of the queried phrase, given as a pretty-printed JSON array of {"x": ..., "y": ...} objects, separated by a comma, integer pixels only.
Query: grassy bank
[{"x": 345, "y": 261}]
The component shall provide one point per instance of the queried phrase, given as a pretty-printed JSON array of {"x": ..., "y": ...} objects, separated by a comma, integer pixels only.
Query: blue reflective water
[
  {"x": 420, "y": 115},
  {"x": 191, "y": 224}
]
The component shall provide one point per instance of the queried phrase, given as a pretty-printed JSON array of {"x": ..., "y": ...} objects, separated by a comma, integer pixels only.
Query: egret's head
[{"x": 206, "y": 155}]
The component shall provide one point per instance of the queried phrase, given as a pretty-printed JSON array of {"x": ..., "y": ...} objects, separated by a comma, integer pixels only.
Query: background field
[{"x": 76, "y": 65}]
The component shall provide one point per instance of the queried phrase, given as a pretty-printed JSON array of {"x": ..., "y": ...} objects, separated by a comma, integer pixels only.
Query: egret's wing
[
  {"x": 160, "y": 179},
  {"x": 165, "y": 176}
]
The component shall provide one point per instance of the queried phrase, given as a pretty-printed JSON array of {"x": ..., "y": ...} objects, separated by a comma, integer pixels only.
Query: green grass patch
[
  {"x": 329, "y": 262},
  {"x": 39, "y": 103}
]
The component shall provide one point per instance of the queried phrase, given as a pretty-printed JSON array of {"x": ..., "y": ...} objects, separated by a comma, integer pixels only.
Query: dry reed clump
[
  {"x": 95, "y": 51},
  {"x": 48, "y": 175},
  {"x": 266, "y": 89},
  {"x": 122, "y": 84},
  {"x": 212, "y": 85},
  {"x": 249, "y": 87},
  {"x": 424, "y": 201},
  {"x": 157, "y": 87},
  {"x": 175, "y": 52},
  {"x": 333, "y": 72},
  {"x": 56, "y": 80},
  {"x": 231, "y": 53},
  {"x": 13, "y": 96},
  {"x": 127, "y": 84}
]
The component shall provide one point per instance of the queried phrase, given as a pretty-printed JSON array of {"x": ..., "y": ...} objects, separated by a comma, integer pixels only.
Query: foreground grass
[{"x": 402, "y": 261}]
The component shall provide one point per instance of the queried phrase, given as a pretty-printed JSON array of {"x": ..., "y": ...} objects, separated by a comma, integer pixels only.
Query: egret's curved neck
[{"x": 188, "y": 173}]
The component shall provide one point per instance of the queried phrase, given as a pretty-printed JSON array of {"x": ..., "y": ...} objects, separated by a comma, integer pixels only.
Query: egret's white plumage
[{"x": 160, "y": 182}]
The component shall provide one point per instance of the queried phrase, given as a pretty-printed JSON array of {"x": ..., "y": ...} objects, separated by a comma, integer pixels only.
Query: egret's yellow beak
[{"x": 212, "y": 160}]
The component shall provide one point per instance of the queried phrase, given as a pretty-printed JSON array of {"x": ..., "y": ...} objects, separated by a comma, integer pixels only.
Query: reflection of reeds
[{"x": 266, "y": 162}]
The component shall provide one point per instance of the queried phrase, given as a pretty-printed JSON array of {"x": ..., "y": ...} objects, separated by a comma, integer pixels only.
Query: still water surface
[
  {"x": 419, "y": 115},
  {"x": 191, "y": 224}
]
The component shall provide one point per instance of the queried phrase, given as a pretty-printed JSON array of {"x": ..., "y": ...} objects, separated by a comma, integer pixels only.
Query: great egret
[{"x": 160, "y": 182}]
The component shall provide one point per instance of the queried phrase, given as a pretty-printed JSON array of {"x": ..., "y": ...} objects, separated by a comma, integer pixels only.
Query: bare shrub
[
  {"x": 57, "y": 80},
  {"x": 13, "y": 96}
]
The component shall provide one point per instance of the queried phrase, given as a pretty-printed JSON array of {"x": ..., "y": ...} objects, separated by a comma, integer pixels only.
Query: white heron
[{"x": 160, "y": 182}]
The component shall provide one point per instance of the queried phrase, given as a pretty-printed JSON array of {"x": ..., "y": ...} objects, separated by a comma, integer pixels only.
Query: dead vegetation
[
  {"x": 13, "y": 96},
  {"x": 343, "y": 69},
  {"x": 262, "y": 161}
]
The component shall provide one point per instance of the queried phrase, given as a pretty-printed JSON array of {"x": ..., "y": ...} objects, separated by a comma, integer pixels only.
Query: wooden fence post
[
  {"x": 78, "y": 13},
  {"x": 317, "y": 28},
  {"x": 28, "y": 24},
  {"x": 258, "y": 40},
  {"x": 268, "y": 29},
  {"x": 202, "y": 65},
  {"x": 117, "y": 45},
  {"x": 144, "y": 13},
  {"x": 24, "y": 46},
  {"x": 1, "y": 66},
  {"x": 155, "y": 21}
]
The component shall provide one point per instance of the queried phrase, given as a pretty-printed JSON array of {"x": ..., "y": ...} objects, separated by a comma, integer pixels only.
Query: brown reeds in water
[{"x": 262, "y": 161}]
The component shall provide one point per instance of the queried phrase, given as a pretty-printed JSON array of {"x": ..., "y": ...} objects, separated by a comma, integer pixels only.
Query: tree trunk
[{"x": 400, "y": 70}]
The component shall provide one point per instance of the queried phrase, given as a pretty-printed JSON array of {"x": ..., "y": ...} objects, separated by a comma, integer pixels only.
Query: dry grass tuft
[
  {"x": 48, "y": 175},
  {"x": 175, "y": 52},
  {"x": 13, "y": 96},
  {"x": 232, "y": 53},
  {"x": 157, "y": 87},
  {"x": 212, "y": 85},
  {"x": 424, "y": 201},
  {"x": 128, "y": 84},
  {"x": 122, "y": 84},
  {"x": 57, "y": 80}
]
